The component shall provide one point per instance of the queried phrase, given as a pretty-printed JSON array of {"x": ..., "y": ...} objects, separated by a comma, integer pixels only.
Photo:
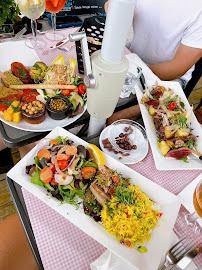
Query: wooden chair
[{"x": 196, "y": 75}]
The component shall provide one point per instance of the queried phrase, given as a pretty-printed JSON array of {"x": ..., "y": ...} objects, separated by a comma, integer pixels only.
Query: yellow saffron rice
[{"x": 131, "y": 224}]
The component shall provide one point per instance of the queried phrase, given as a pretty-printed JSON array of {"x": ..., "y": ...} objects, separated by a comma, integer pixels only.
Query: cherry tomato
[
  {"x": 112, "y": 190},
  {"x": 115, "y": 178},
  {"x": 81, "y": 89},
  {"x": 26, "y": 91},
  {"x": 3, "y": 107},
  {"x": 172, "y": 105},
  {"x": 52, "y": 167},
  {"x": 28, "y": 98},
  {"x": 158, "y": 95},
  {"x": 62, "y": 164},
  {"x": 53, "y": 182},
  {"x": 65, "y": 92}
]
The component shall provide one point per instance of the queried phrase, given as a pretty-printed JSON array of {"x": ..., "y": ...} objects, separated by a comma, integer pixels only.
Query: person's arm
[
  {"x": 128, "y": 113},
  {"x": 183, "y": 60},
  {"x": 106, "y": 6}
]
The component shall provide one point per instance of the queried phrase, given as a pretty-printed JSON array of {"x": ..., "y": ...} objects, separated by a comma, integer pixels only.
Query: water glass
[{"x": 129, "y": 84}]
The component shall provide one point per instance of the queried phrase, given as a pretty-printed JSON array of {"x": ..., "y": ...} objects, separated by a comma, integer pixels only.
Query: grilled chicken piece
[
  {"x": 105, "y": 178},
  {"x": 99, "y": 193}
]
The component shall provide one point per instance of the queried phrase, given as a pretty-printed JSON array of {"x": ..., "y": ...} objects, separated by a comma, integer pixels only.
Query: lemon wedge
[
  {"x": 96, "y": 155},
  {"x": 58, "y": 60}
]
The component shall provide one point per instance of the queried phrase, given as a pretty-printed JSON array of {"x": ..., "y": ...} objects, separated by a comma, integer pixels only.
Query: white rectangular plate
[
  {"x": 161, "y": 162},
  {"x": 168, "y": 202}
]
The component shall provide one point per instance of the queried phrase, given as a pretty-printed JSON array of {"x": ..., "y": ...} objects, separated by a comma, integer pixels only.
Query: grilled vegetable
[
  {"x": 164, "y": 147},
  {"x": 91, "y": 206},
  {"x": 13, "y": 112},
  {"x": 21, "y": 72},
  {"x": 37, "y": 72}
]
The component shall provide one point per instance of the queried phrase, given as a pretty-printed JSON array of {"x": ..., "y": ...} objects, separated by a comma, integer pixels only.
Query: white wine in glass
[{"x": 33, "y": 9}]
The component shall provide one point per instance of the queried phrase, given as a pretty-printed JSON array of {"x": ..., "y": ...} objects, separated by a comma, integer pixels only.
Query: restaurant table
[
  {"x": 49, "y": 244},
  {"x": 49, "y": 233}
]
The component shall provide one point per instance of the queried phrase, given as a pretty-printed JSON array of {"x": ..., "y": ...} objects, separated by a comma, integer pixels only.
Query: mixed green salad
[{"x": 63, "y": 168}]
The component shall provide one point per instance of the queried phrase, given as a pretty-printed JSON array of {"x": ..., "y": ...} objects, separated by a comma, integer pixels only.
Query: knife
[
  {"x": 60, "y": 43},
  {"x": 185, "y": 261}
]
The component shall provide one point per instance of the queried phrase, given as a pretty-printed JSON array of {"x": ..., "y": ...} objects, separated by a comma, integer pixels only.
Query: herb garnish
[
  {"x": 184, "y": 159},
  {"x": 16, "y": 109},
  {"x": 94, "y": 206},
  {"x": 169, "y": 100},
  {"x": 181, "y": 121},
  {"x": 7, "y": 103},
  {"x": 182, "y": 104},
  {"x": 22, "y": 73},
  {"x": 124, "y": 195}
]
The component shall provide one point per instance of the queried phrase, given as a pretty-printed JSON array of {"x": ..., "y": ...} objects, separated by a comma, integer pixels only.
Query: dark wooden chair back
[{"x": 196, "y": 75}]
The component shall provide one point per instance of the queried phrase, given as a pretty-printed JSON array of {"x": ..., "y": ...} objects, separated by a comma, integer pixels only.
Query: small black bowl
[{"x": 57, "y": 115}]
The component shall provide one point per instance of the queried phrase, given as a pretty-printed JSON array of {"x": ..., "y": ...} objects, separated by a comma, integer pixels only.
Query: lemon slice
[
  {"x": 58, "y": 60},
  {"x": 96, "y": 155},
  {"x": 34, "y": 2}
]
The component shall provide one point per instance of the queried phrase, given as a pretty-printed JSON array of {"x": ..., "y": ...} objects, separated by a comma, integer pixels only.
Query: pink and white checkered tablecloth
[{"x": 61, "y": 244}]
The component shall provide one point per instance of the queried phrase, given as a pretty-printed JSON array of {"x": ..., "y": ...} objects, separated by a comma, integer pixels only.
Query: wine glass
[
  {"x": 33, "y": 9},
  {"x": 54, "y": 6},
  {"x": 191, "y": 218},
  {"x": 188, "y": 222}
]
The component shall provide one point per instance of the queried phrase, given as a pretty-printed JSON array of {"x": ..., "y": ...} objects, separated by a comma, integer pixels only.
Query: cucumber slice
[
  {"x": 77, "y": 98},
  {"x": 74, "y": 105},
  {"x": 80, "y": 164}
]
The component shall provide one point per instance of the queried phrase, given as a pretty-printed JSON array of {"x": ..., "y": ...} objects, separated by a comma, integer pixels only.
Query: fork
[
  {"x": 67, "y": 49},
  {"x": 177, "y": 252}
]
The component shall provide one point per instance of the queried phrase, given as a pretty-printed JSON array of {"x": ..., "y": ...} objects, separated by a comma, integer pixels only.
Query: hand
[{"x": 2, "y": 76}]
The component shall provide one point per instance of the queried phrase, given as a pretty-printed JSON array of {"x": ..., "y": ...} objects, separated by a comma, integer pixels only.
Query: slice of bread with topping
[
  {"x": 5, "y": 92},
  {"x": 11, "y": 79}
]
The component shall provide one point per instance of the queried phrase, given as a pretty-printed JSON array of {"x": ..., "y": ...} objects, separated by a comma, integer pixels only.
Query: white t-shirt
[{"x": 161, "y": 25}]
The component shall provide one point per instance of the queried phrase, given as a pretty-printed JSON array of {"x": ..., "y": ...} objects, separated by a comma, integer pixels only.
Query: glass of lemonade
[
  {"x": 54, "y": 6},
  {"x": 33, "y": 9}
]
